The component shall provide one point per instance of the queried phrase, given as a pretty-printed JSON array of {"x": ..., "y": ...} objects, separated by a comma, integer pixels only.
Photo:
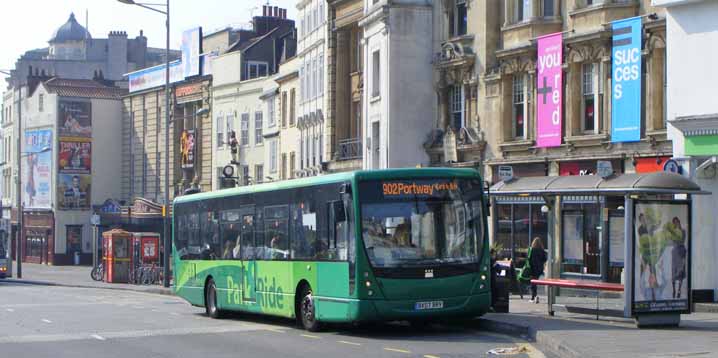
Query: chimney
[
  {"x": 276, "y": 11},
  {"x": 283, "y": 13},
  {"x": 264, "y": 10}
]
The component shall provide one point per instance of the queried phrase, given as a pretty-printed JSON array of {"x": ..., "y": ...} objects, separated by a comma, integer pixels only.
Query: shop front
[{"x": 38, "y": 237}]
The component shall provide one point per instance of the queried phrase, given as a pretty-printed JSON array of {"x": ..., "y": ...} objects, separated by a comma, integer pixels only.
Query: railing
[{"x": 349, "y": 149}]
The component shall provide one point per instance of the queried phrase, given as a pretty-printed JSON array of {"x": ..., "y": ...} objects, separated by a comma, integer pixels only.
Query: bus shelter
[{"x": 623, "y": 238}]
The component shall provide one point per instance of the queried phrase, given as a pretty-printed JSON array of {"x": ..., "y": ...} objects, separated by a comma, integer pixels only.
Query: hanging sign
[
  {"x": 626, "y": 75},
  {"x": 548, "y": 90}
]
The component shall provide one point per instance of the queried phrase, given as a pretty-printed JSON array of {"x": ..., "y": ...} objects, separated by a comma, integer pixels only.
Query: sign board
[
  {"x": 506, "y": 172},
  {"x": 671, "y": 166},
  {"x": 604, "y": 168},
  {"x": 191, "y": 49},
  {"x": 548, "y": 88},
  {"x": 37, "y": 169},
  {"x": 95, "y": 219}
]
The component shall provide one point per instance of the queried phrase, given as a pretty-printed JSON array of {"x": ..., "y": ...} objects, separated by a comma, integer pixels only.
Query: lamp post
[{"x": 165, "y": 219}]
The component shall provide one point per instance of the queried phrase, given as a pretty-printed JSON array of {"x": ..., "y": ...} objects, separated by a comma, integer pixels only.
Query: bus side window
[
  {"x": 276, "y": 233},
  {"x": 338, "y": 231},
  {"x": 181, "y": 236},
  {"x": 209, "y": 231}
]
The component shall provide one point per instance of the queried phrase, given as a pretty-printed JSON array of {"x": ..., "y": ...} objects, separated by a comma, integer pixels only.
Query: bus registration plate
[{"x": 429, "y": 305}]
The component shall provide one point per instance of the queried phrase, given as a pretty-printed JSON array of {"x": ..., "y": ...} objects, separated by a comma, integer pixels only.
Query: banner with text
[
  {"x": 549, "y": 96},
  {"x": 626, "y": 74}
]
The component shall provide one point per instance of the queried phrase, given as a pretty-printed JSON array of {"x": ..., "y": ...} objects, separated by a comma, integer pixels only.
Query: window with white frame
[
  {"x": 258, "y": 137},
  {"x": 41, "y": 102},
  {"x": 458, "y": 19},
  {"x": 271, "y": 121},
  {"x": 229, "y": 125},
  {"x": 321, "y": 74},
  {"x": 375, "y": 78},
  {"x": 220, "y": 130},
  {"x": 519, "y": 115},
  {"x": 258, "y": 173},
  {"x": 321, "y": 12},
  {"x": 256, "y": 69},
  {"x": 301, "y": 149},
  {"x": 523, "y": 10},
  {"x": 314, "y": 78},
  {"x": 592, "y": 97},
  {"x": 244, "y": 130},
  {"x": 457, "y": 105},
  {"x": 273, "y": 156}
]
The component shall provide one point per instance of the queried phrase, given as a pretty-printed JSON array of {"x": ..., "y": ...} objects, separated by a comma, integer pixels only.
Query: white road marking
[
  {"x": 174, "y": 313},
  {"x": 397, "y": 350},
  {"x": 350, "y": 343},
  {"x": 129, "y": 334},
  {"x": 46, "y": 320},
  {"x": 310, "y": 336},
  {"x": 98, "y": 337}
]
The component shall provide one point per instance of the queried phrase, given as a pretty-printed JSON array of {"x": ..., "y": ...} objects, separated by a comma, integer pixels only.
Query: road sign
[{"x": 95, "y": 219}]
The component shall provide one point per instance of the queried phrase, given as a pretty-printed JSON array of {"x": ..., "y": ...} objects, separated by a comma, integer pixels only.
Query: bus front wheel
[
  {"x": 307, "y": 311},
  {"x": 210, "y": 300}
]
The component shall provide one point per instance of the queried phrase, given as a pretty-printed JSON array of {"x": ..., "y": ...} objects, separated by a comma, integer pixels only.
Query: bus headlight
[
  {"x": 483, "y": 277},
  {"x": 368, "y": 283},
  {"x": 370, "y": 292}
]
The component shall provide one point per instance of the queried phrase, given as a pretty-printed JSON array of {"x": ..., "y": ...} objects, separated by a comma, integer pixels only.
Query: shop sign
[
  {"x": 548, "y": 89},
  {"x": 188, "y": 90},
  {"x": 506, "y": 172},
  {"x": 110, "y": 207},
  {"x": 626, "y": 80}
]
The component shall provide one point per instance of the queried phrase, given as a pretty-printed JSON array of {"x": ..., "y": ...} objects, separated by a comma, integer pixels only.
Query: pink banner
[{"x": 548, "y": 90}]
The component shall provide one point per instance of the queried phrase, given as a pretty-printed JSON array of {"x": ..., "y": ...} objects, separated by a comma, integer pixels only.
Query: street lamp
[{"x": 165, "y": 219}]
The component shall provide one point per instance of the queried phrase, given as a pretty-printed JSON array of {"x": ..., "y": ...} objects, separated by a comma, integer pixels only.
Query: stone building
[
  {"x": 290, "y": 142},
  {"x": 486, "y": 80},
  {"x": 345, "y": 85}
]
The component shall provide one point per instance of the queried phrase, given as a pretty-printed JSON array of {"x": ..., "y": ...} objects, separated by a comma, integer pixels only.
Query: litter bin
[
  {"x": 77, "y": 258},
  {"x": 500, "y": 286}
]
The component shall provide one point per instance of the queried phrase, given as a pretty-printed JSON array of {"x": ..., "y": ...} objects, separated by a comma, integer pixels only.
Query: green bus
[{"x": 385, "y": 245}]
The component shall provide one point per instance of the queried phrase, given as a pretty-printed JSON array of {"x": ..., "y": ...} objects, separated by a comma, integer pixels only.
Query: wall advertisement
[
  {"x": 37, "y": 169},
  {"x": 73, "y": 191},
  {"x": 75, "y": 157},
  {"x": 187, "y": 149},
  {"x": 548, "y": 90},
  {"x": 74, "y": 119},
  {"x": 661, "y": 256},
  {"x": 626, "y": 80}
]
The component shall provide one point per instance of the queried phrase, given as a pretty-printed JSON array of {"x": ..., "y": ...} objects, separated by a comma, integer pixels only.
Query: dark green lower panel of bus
[{"x": 270, "y": 287}]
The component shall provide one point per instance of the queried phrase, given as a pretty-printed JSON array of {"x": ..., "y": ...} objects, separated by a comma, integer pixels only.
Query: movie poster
[
  {"x": 661, "y": 256},
  {"x": 75, "y": 157},
  {"x": 37, "y": 169},
  {"x": 74, "y": 119},
  {"x": 73, "y": 191},
  {"x": 187, "y": 149}
]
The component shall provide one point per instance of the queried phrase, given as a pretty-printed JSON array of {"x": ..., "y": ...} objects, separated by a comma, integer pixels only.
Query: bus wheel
[
  {"x": 210, "y": 300},
  {"x": 307, "y": 311}
]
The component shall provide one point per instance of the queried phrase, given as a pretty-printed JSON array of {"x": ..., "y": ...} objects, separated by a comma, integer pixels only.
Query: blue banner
[{"x": 626, "y": 75}]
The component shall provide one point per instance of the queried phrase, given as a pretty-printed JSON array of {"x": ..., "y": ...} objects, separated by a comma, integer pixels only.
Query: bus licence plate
[{"x": 428, "y": 305}]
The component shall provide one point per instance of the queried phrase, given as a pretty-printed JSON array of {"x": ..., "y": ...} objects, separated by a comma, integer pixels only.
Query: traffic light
[{"x": 234, "y": 146}]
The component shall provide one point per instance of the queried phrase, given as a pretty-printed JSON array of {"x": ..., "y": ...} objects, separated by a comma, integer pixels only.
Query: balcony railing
[{"x": 349, "y": 149}]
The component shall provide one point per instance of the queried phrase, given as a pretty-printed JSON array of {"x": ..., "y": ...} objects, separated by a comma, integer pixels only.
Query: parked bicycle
[{"x": 98, "y": 272}]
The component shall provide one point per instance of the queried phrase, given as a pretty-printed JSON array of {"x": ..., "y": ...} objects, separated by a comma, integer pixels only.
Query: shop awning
[{"x": 649, "y": 183}]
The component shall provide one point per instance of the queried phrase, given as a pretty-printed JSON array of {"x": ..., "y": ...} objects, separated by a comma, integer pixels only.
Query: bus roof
[{"x": 332, "y": 178}]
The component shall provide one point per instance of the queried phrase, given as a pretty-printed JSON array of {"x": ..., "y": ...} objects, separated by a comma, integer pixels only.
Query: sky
[{"x": 29, "y": 24}]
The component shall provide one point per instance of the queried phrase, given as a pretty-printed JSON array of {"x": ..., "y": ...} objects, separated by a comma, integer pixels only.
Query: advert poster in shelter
[
  {"x": 661, "y": 256},
  {"x": 548, "y": 90},
  {"x": 75, "y": 157},
  {"x": 37, "y": 169},
  {"x": 74, "y": 119}
]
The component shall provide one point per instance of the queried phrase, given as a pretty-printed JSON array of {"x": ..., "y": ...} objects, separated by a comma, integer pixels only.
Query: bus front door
[{"x": 248, "y": 249}]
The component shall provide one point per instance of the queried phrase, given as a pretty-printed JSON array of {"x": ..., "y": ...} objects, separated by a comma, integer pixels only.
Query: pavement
[
  {"x": 563, "y": 335},
  {"x": 59, "y": 322},
  {"x": 78, "y": 276}
]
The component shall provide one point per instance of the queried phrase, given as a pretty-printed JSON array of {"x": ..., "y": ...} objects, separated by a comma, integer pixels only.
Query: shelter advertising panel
[
  {"x": 661, "y": 256},
  {"x": 37, "y": 169},
  {"x": 73, "y": 191},
  {"x": 626, "y": 75},
  {"x": 74, "y": 119},
  {"x": 75, "y": 157},
  {"x": 549, "y": 85}
]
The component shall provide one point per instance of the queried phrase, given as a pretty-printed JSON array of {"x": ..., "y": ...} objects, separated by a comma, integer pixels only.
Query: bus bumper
[{"x": 397, "y": 310}]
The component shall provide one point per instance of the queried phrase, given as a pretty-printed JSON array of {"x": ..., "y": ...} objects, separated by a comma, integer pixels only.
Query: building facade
[
  {"x": 487, "y": 80},
  {"x": 290, "y": 142},
  {"x": 399, "y": 101},
  {"x": 311, "y": 51},
  {"x": 70, "y": 152},
  {"x": 693, "y": 121}
]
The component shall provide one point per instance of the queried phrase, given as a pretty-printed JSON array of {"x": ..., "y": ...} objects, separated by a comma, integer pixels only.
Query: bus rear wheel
[
  {"x": 307, "y": 311},
  {"x": 210, "y": 300}
]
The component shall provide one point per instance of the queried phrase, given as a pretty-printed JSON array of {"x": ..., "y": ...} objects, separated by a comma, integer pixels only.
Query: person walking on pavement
[{"x": 533, "y": 267}]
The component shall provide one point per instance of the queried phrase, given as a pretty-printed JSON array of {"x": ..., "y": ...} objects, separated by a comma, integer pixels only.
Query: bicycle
[{"x": 98, "y": 272}]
